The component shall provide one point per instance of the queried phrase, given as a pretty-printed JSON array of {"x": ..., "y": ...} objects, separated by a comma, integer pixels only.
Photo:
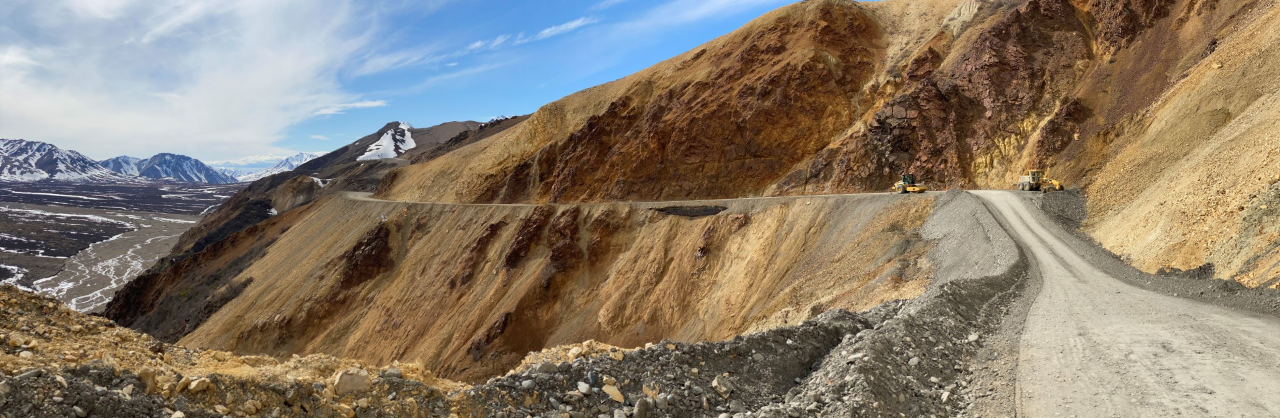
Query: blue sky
[{"x": 227, "y": 80}]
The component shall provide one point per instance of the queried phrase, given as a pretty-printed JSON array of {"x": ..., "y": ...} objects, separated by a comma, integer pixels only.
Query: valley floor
[{"x": 82, "y": 255}]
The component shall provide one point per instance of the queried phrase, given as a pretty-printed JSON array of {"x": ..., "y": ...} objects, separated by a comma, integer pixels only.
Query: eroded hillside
[{"x": 471, "y": 289}]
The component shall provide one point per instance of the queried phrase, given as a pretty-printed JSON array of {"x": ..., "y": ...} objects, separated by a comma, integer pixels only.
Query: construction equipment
[
  {"x": 1035, "y": 181},
  {"x": 908, "y": 185}
]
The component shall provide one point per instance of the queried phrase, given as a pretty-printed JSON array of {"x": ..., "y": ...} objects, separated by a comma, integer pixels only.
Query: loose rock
[
  {"x": 613, "y": 393},
  {"x": 351, "y": 381}
]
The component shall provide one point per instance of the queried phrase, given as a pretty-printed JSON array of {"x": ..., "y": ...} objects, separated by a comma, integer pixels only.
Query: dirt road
[{"x": 1094, "y": 346}]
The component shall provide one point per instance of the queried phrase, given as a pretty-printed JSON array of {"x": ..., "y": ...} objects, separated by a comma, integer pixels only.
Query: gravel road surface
[{"x": 1094, "y": 346}]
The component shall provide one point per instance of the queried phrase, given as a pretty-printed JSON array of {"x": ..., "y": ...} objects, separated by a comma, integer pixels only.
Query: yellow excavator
[
  {"x": 1035, "y": 181},
  {"x": 909, "y": 185}
]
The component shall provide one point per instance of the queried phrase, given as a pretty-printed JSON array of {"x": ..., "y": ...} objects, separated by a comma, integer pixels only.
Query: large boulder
[{"x": 351, "y": 380}]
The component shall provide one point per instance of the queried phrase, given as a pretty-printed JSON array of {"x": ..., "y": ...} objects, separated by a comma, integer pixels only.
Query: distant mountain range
[
  {"x": 166, "y": 166},
  {"x": 28, "y": 161},
  {"x": 284, "y": 165},
  {"x": 22, "y": 160}
]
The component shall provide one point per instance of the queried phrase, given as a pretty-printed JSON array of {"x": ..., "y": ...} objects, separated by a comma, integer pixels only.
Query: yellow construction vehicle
[
  {"x": 1035, "y": 181},
  {"x": 908, "y": 185}
]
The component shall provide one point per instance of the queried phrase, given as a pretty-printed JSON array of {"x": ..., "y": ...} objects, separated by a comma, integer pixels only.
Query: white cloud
[
  {"x": 338, "y": 109},
  {"x": 98, "y": 9},
  {"x": 208, "y": 78},
  {"x": 320, "y": 137},
  {"x": 558, "y": 29},
  {"x": 498, "y": 41},
  {"x": 437, "y": 79},
  {"x": 605, "y": 4}
]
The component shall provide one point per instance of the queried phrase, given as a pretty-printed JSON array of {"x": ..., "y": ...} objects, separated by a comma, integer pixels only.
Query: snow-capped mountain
[
  {"x": 22, "y": 160},
  {"x": 123, "y": 164},
  {"x": 392, "y": 143},
  {"x": 288, "y": 164},
  {"x": 181, "y": 168},
  {"x": 234, "y": 172},
  {"x": 168, "y": 167}
]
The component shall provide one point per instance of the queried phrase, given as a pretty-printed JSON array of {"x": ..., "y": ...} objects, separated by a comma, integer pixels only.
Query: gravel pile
[{"x": 1069, "y": 206}]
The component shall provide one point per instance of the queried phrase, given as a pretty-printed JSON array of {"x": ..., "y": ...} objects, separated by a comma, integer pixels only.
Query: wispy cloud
[
  {"x": 110, "y": 77},
  {"x": 441, "y": 78},
  {"x": 605, "y": 4},
  {"x": 320, "y": 137},
  {"x": 338, "y": 109},
  {"x": 557, "y": 30},
  {"x": 497, "y": 42},
  {"x": 381, "y": 62}
]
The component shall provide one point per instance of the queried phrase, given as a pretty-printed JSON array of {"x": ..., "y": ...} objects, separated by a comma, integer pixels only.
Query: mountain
[
  {"x": 1159, "y": 115},
  {"x": 123, "y": 164},
  {"x": 181, "y": 168},
  {"x": 22, "y": 160},
  {"x": 284, "y": 165},
  {"x": 335, "y": 172},
  {"x": 165, "y": 166},
  {"x": 391, "y": 144},
  {"x": 234, "y": 172}
]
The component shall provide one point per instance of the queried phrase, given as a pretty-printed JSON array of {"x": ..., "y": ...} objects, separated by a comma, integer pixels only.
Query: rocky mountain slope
[
  {"x": 525, "y": 277},
  {"x": 337, "y": 171},
  {"x": 1154, "y": 111},
  {"x": 22, "y": 160}
]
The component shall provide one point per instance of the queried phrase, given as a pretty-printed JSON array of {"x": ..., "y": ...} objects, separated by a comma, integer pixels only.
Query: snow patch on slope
[
  {"x": 124, "y": 164},
  {"x": 393, "y": 143}
]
